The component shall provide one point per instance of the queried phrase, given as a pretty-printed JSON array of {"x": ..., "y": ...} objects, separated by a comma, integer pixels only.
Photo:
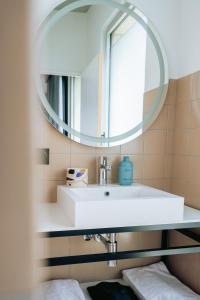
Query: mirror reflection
[{"x": 99, "y": 71}]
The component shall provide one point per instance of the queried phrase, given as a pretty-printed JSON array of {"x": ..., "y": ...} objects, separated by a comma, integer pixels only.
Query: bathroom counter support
[{"x": 53, "y": 224}]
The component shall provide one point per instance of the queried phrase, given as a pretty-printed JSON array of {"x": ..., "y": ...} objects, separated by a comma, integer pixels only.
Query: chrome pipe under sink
[{"x": 110, "y": 242}]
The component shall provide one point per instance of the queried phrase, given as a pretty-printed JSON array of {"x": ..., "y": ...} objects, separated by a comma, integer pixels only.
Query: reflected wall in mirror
[{"x": 103, "y": 72}]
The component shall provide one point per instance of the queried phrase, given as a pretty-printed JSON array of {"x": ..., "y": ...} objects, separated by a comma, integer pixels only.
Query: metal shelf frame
[{"x": 183, "y": 228}]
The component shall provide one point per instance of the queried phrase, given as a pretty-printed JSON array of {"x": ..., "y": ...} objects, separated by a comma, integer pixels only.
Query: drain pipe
[
  {"x": 110, "y": 242},
  {"x": 112, "y": 248}
]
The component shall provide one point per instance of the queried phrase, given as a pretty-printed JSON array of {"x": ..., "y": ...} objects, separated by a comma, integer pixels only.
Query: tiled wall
[
  {"x": 167, "y": 156},
  {"x": 186, "y": 158},
  {"x": 151, "y": 154},
  {"x": 186, "y": 168}
]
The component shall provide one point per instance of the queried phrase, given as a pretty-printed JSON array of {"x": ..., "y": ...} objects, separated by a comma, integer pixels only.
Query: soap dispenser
[{"x": 125, "y": 171}]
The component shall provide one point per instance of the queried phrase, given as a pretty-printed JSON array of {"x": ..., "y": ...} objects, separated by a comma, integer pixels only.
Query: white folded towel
[
  {"x": 155, "y": 282},
  {"x": 61, "y": 290}
]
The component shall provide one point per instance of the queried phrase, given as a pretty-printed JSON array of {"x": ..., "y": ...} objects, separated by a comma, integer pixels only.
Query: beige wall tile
[
  {"x": 194, "y": 168},
  {"x": 156, "y": 183},
  {"x": 184, "y": 88},
  {"x": 170, "y": 142},
  {"x": 181, "y": 141},
  {"x": 78, "y": 246},
  {"x": 153, "y": 167},
  {"x": 54, "y": 140},
  {"x": 155, "y": 141},
  {"x": 56, "y": 170},
  {"x": 195, "y": 114},
  {"x": 59, "y": 272},
  {"x": 127, "y": 241},
  {"x": 55, "y": 247},
  {"x": 107, "y": 151},
  {"x": 91, "y": 271},
  {"x": 194, "y": 141},
  {"x": 167, "y": 185},
  {"x": 137, "y": 166},
  {"x": 102, "y": 271},
  {"x": 183, "y": 115},
  {"x": 77, "y": 148},
  {"x": 138, "y": 240},
  {"x": 179, "y": 187},
  {"x": 196, "y": 86},
  {"x": 172, "y": 92},
  {"x": 171, "y": 109},
  {"x": 168, "y": 166},
  {"x": 180, "y": 167},
  {"x": 161, "y": 121},
  {"x": 192, "y": 194},
  {"x": 50, "y": 189},
  {"x": 133, "y": 147}
]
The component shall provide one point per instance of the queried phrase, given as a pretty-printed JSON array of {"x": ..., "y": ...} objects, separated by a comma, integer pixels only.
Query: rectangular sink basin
[{"x": 117, "y": 206}]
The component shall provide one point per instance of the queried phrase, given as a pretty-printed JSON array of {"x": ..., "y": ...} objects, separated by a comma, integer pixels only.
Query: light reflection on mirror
[
  {"x": 99, "y": 71},
  {"x": 128, "y": 49}
]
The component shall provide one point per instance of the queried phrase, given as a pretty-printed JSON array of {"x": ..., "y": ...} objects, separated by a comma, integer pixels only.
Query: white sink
[{"x": 117, "y": 206}]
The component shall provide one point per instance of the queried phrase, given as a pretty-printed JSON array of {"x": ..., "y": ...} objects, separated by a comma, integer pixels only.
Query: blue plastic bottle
[{"x": 125, "y": 171}]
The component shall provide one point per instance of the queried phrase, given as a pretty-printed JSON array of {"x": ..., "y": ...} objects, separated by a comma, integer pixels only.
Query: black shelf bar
[
  {"x": 164, "y": 243},
  {"x": 89, "y": 258},
  {"x": 79, "y": 232}
]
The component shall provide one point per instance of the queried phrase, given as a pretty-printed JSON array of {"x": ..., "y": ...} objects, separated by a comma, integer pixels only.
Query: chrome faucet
[{"x": 104, "y": 167}]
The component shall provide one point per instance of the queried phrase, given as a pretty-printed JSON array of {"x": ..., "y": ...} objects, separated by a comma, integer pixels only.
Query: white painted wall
[
  {"x": 189, "y": 45},
  {"x": 64, "y": 49},
  {"x": 97, "y": 17},
  {"x": 152, "y": 69},
  {"x": 178, "y": 24},
  {"x": 41, "y": 9},
  {"x": 164, "y": 15},
  {"x": 89, "y": 98}
]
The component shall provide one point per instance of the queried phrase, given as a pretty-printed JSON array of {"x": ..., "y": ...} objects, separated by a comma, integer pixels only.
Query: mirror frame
[{"x": 63, "y": 9}]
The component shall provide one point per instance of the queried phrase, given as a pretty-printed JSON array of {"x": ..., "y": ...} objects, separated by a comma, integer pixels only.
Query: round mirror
[{"x": 102, "y": 72}]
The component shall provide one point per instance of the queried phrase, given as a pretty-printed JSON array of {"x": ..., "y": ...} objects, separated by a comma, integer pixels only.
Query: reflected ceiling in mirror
[{"x": 102, "y": 71}]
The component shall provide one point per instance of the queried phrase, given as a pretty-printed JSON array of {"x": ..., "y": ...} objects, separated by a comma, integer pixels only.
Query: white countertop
[{"x": 51, "y": 219}]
